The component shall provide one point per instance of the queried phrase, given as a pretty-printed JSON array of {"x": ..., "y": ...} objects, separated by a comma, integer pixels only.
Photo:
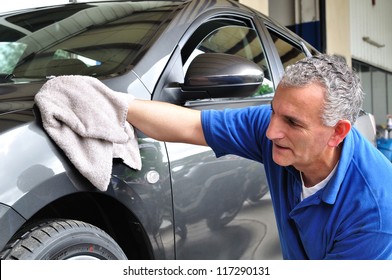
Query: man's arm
[
  {"x": 166, "y": 122},
  {"x": 372, "y": 245}
]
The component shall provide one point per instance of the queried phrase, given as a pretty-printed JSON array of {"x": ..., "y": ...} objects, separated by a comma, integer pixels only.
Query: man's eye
[{"x": 292, "y": 122}]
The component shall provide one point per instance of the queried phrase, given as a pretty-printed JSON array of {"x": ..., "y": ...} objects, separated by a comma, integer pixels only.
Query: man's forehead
[
  {"x": 299, "y": 102},
  {"x": 305, "y": 93}
]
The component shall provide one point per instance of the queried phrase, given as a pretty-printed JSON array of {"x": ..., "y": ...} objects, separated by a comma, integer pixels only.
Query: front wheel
[{"x": 62, "y": 240}]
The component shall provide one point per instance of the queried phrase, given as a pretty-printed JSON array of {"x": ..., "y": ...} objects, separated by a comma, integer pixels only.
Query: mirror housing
[{"x": 222, "y": 76}]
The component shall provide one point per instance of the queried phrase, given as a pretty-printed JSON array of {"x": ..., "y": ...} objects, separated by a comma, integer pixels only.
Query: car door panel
[{"x": 222, "y": 208}]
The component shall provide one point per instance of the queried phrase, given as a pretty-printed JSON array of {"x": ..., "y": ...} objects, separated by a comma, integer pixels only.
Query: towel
[{"x": 87, "y": 120}]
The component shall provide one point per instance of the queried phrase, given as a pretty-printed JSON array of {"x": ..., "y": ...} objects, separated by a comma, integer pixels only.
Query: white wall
[
  {"x": 283, "y": 11},
  {"x": 374, "y": 22},
  {"x": 260, "y": 5},
  {"x": 338, "y": 28}
]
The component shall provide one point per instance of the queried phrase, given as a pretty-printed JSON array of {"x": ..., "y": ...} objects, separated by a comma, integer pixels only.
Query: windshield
[{"x": 96, "y": 39}]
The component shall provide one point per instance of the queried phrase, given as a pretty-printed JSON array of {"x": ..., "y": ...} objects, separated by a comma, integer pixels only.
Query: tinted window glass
[
  {"x": 225, "y": 37},
  {"x": 377, "y": 85},
  {"x": 95, "y": 40},
  {"x": 289, "y": 52},
  {"x": 379, "y": 91},
  {"x": 389, "y": 92},
  {"x": 364, "y": 72}
]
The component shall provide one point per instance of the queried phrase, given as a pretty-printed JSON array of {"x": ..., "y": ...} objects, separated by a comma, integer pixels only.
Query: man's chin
[
  {"x": 279, "y": 161},
  {"x": 281, "y": 156}
]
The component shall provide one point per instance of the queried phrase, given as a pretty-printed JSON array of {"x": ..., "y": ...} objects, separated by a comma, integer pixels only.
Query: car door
[{"x": 222, "y": 208}]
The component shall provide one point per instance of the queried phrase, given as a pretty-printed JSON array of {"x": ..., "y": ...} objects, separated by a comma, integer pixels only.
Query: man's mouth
[{"x": 280, "y": 147}]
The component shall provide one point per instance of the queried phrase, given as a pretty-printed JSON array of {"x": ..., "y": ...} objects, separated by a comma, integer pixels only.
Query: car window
[
  {"x": 230, "y": 37},
  {"x": 289, "y": 52},
  {"x": 92, "y": 39}
]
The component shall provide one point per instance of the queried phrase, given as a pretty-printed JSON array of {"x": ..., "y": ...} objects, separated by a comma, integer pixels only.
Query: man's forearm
[{"x": 166, "y": 122}]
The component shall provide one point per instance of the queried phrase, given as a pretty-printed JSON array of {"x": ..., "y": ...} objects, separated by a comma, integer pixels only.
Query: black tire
[{"x": 62, "y": 240}]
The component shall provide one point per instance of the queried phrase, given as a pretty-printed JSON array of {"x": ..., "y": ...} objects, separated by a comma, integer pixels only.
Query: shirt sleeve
[
  {"x": 363, "y": 246},
  {"x": 237, "y": 131}
]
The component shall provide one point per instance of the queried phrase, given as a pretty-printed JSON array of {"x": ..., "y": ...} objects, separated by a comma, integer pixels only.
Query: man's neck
[{"x": 317, "y": 172}]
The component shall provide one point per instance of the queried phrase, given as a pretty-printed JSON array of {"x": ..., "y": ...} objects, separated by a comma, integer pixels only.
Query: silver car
[{"x": 184, "y": 203}]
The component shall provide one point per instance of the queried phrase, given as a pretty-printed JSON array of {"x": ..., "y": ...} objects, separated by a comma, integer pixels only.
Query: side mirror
[{"x": 222, "y": 76}]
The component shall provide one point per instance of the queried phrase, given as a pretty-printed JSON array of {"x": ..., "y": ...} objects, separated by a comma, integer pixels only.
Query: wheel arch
[{"x": 102, "y": 211}]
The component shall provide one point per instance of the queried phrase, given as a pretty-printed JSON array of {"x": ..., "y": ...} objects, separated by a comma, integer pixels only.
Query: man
[{"x": 331, "y": 189}]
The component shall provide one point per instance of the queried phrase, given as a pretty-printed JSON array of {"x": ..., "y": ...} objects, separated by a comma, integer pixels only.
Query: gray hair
[{"x": 343, "y": 91}]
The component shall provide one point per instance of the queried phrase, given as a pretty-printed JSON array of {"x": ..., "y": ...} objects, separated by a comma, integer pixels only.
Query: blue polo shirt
[{"x": 350, "y": 218}]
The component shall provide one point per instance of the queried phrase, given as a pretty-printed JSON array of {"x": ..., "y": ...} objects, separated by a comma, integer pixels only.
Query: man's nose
[{"x": 274, "y": 130}]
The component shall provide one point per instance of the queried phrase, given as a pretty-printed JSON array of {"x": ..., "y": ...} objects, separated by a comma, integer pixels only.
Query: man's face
[{"x": 299, "y": 137}]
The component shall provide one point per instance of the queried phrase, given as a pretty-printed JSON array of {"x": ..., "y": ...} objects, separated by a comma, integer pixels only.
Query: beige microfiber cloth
[{"x": 87, "y": 120}]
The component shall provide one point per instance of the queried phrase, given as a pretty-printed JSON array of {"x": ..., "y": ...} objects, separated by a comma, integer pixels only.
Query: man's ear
[{"x": 341, "y": 129}]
